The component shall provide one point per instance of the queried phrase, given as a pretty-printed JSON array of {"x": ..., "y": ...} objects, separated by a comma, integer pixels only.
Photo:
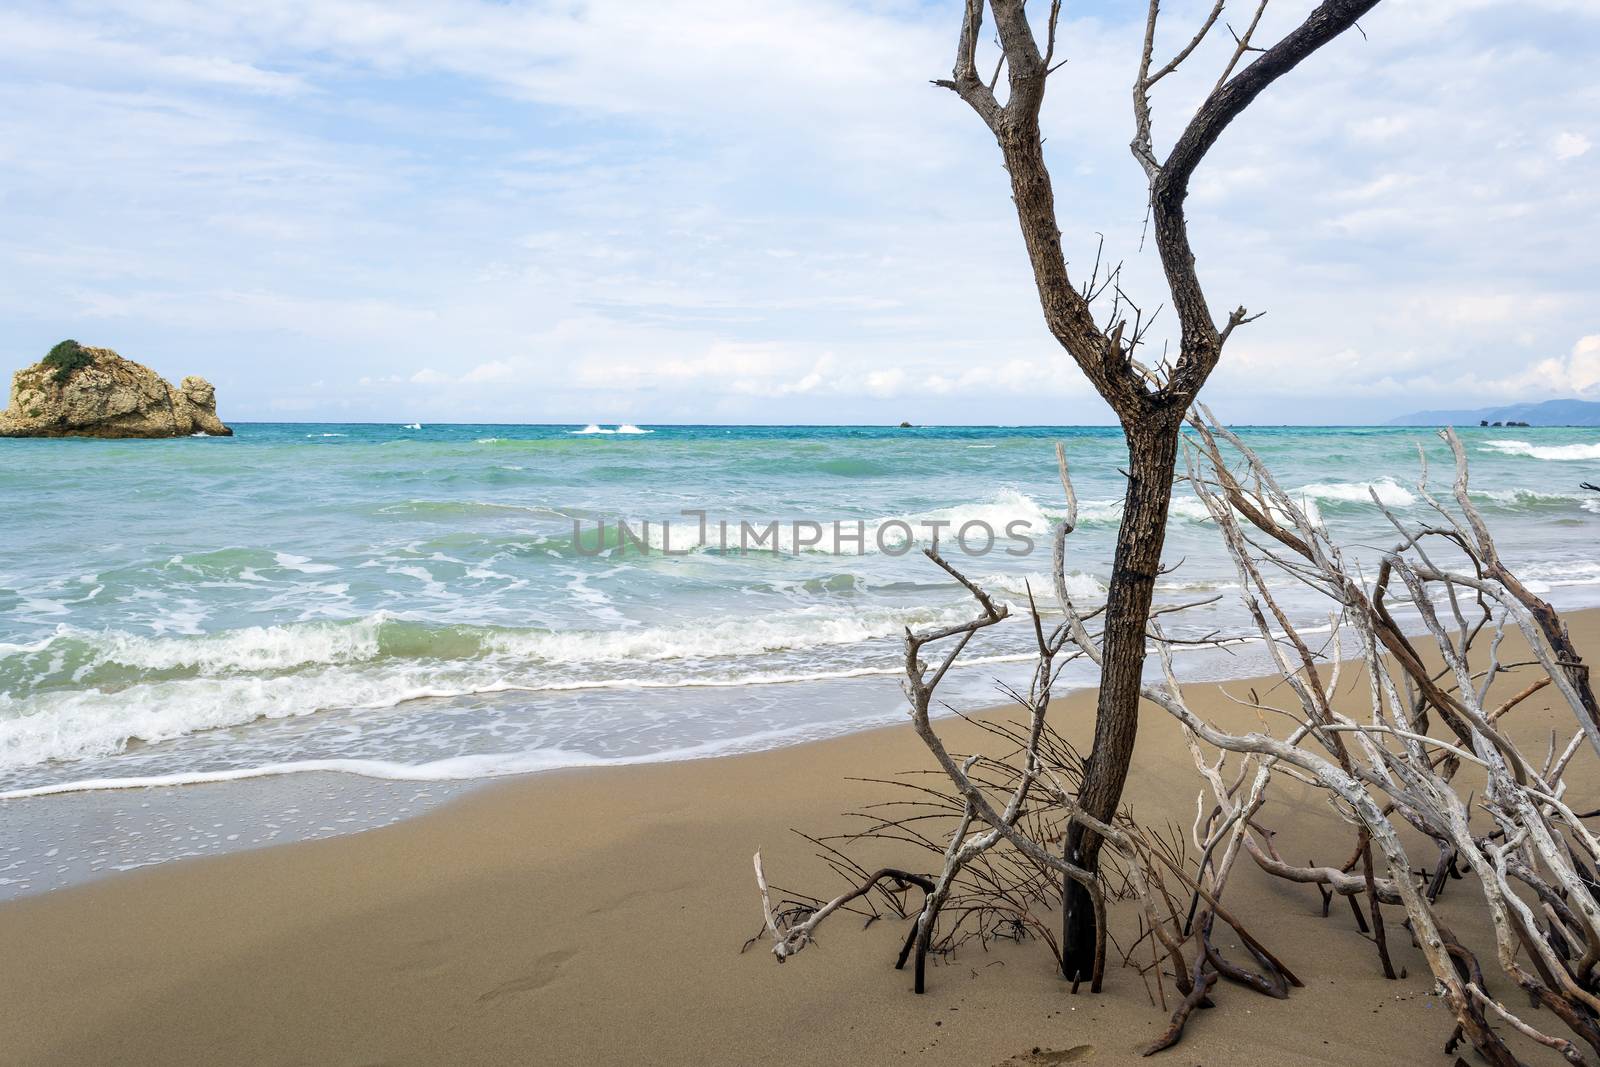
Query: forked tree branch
[
  {"x": 1201, "y": 341},
  {"x": 1015, "y": 125}
]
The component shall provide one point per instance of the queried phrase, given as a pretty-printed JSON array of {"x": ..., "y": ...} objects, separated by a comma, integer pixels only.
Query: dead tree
[
  {"x": 1000, "y": 815},
  {"x": 1392, "y": 771},
  {"x": 1532, "y": 856},
  {"x": 1149, "y": 403}
]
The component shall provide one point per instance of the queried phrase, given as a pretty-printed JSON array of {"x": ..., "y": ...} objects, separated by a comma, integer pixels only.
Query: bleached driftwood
[{"x": 1512, "y": 832}]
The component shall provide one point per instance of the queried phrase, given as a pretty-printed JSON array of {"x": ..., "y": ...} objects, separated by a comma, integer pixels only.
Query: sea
[{"x": 304, "y": 630}]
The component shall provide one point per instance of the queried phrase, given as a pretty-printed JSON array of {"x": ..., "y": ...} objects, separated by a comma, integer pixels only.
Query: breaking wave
[
  {"x": 1551, "y": 452},
  {"x": 82, "y": 694}
]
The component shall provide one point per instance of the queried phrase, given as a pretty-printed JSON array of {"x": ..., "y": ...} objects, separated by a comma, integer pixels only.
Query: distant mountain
[{"x": 1545, "y": 413}]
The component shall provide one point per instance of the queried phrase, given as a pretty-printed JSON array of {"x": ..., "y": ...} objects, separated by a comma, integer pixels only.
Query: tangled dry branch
[{"x": 1431, "y": 754}]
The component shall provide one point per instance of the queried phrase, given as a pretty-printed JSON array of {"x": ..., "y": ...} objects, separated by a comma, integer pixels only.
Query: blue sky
[{"x": 454, "y": 210}]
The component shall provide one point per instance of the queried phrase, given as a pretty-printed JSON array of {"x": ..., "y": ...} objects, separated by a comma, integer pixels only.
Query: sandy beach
[
  {"x": 476, "y": 474},
  {"x": 597, "y": 917}
]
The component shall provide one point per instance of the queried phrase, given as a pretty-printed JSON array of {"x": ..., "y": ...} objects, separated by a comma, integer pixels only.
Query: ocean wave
[
  {"x": 1188, "y": 508},
  {"x": 446, "y": 510},
  {"x": 455, "y": 768},
  {"x": 1184, "y": 507},
  {"x": 115, "y": 660},
  {"x": 1527, "y": 500},
  {"x": 182, "y": 687},
  {"x": 172, "y": 712},
  {"x": 1083, "y": 588},
  {"x": 627, "y": 429},
  {"x": 301, "y": 564},
  {"x": 1390, "y": 492},
  {"x": 1545, "y": 576},
  {"x": 1015, "y": 520},
  {"x": 451, "y": 768},
  {"x": 854, "y": 467},
  {"x": 1548, "y": 452}
]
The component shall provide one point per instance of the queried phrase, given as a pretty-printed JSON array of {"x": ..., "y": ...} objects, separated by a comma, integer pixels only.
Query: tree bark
[
  {"x": 1066, "y": 313},
  {"x": 1150, "y": 412},
  {"x": 1152, "y": 456}
]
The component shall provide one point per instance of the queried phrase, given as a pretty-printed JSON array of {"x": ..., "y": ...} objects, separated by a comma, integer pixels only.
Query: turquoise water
[{"x": 409, "y": 603}]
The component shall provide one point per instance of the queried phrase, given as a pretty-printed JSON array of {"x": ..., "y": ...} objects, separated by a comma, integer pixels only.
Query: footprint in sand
[
  {"x": 545, "y": 971},
  {"x": 422, "y": 956},
  {"x": 1043, "y": 1056}
]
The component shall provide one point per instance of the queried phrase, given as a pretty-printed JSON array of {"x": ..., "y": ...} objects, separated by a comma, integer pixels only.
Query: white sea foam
[
  {"x": 1389, "y": 491},
  {"x": 486, "y": 765},
  {"x": 1014, "y": 518},
  {"x": 62, "y": 726},
  {"x": 1525, "y": 498},
  {"x": 1081, "y": 587},
  {"x": 9, "y": 648},
  {"x": 1543, "y": 577},
  {"x": 454, "y": 768},
  {"x": 1552, "y": 452},
  {"x": 813, "y": 627},
  {"x": 301, "y": 564},
  {"x": 626, "y": 429},
  {"x": 1184, "y": 507},
  {"x": 299, "y": 669},
  {"x": 497, "y": 764},
  {"x": 1188, "y": 508}
]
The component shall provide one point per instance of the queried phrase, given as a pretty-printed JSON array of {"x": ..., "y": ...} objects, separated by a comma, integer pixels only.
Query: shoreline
[
  {"x": 85, "y": 830},
  {"x": 595, "y": 916},
  {"x": 317, "y": 799}
]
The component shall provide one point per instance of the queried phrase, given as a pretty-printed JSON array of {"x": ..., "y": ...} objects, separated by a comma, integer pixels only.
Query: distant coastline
[{"x": 1570, "y": 412}]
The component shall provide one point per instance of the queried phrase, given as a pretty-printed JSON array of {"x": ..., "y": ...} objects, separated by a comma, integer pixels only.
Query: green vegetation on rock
[{"x": 67, "y": 357}]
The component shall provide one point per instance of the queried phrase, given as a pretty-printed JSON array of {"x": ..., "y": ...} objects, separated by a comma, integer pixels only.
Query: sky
[{"x": 679, "y": 211}]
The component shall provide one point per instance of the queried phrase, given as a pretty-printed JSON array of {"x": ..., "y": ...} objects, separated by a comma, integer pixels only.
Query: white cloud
[
  {"x": 45, "y": 45},
  {"x": 657, "y": 211},
  {"x": 1570, "y": 145},
  {"x": 1577, "y": 373},
  {"x": 496, "y": 370},
  {"x": 1380, "y": 127}
]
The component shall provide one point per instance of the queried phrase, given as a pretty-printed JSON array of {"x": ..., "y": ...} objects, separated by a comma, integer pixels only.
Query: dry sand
[{"x": 597, "y": 917}]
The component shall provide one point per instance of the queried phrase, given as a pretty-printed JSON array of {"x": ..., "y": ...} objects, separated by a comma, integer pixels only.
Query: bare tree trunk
[
  {"x": 1149, "y": 402},
  {"x": 1152, "y": 455}
]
